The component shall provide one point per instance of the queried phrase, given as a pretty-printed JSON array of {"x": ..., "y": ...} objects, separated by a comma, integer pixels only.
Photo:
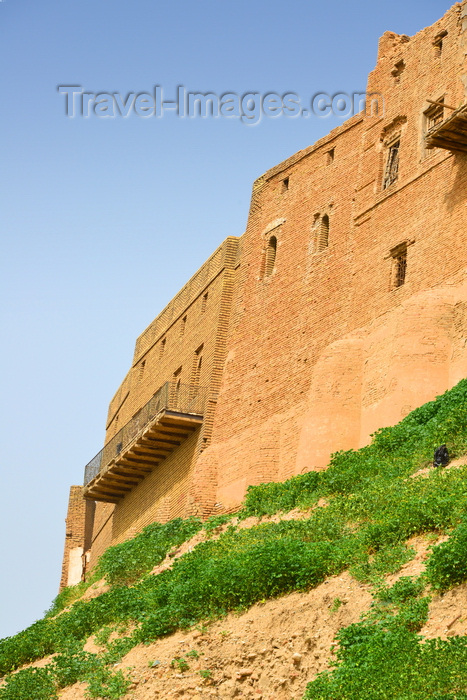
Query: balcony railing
[{"x": 178, "y": 398}]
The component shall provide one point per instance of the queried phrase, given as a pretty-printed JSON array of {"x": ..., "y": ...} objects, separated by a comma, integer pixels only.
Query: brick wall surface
[{"x": 308, "y": 344}]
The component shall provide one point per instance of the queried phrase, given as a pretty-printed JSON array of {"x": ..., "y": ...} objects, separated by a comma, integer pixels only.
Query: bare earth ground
[{"x": 269, "y": 652}]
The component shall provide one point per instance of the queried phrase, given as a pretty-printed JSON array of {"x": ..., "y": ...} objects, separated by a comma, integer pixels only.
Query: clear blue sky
[{"x": 103, "y": 220}]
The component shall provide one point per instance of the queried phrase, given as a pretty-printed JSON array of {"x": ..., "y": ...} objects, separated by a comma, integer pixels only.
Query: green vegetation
[
  {"x": 68, "y": 596},
  {"x": 180, "y": 664},
  {"x": 215, "y": 522},
  {"x": 125, "y": 563},
  {"x": 37, "y": 683},
  {"x": 447, "y": 565},
  {"x": 373, "y": 507},
  {"x": 107, "y": 685},
  {"x": 206, "y": 674},
  {"x": 267, "y": 499},
  {"x": 383, "y": 658},
  {"x": 335, "y": 605},
  {"x": 194, "y": 653}
]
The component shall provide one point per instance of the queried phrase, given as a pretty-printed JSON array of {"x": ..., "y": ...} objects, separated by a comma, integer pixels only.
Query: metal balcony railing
[{"x": 181, "y": 398}]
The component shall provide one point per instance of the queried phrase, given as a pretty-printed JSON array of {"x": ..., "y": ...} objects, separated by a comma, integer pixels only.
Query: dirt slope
[{"x": 270, "y": 652}]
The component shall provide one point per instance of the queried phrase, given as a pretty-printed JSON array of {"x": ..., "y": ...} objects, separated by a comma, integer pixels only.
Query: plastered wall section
[
  {"x": 78, "y": 534},
  {"x": 194, "y": 325},
  {"x": 325, "y": 350}
]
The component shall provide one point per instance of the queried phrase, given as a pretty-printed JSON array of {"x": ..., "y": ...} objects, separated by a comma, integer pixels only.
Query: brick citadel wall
[{"x": 340, "y": 309}]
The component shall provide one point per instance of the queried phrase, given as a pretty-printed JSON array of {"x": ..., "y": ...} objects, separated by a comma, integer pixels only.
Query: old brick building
[{"x": 341, "y": 308}]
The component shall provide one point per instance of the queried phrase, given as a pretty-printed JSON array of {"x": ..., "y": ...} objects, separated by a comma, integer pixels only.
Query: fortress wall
[
  {"x": 282, "y": 323},
  {"x": 315, "y": 352},
  {"x": 407, "y": 359},
  {"x": 457, "y": 369},
  {"x": 327, "y": 337},
  {"x": 332, "y": 420}
]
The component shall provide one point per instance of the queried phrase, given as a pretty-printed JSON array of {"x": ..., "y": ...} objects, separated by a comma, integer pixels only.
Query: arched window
[
  {"x": 320, "y": 233},
  {"x": 175, "y": 389},
  {"x": 323, "y": 235},
  {"x": 391, "y": 170},
  {"x": 196, "y": 366},
  {"x": 270, "y": 257}
]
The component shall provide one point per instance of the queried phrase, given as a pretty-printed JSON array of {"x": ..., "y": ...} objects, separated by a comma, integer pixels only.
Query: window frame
[{"x": 392, "y": 162}]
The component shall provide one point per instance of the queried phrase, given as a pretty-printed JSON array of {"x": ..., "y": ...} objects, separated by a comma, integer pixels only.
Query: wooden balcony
[
  {"x": 451, "y": 133},
  {"x": 171, "y": 416}
]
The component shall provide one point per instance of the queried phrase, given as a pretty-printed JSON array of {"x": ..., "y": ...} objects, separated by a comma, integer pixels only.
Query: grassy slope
[{"x": 373, "y": 508}]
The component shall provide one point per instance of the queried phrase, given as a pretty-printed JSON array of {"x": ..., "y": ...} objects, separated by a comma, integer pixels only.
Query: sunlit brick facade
[{"x": 340, "y": 309}]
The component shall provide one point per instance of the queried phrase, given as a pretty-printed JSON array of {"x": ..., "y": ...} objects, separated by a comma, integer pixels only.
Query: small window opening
[
  {"x": 323, "y": 234},
  {"x": 162, "y": 347},
  {"x": 285, "y": 184},
  {"x": 399, "y": 265},
  {"x": 182, "y": 327},
  {"x": 175, "y": 388},
  {"x": 397, "y": 71},
  {"x": 391, "y": 172},
  {"x": 204, "y": 302},
  {"x": 196, "y": 368},
  {"x": 438, "y": 43},
  {"x": 270, "y": 258},
  {"x": 330, "y": 156},
  {"x": 141, "y": 369}
]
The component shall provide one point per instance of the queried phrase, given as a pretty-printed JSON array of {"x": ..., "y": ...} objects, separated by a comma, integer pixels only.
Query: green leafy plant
[
  {"x": 206, "y": 674},
  {"x": 106, "y": 685},
  {"x": 68, "y": 596},
  {"x": 73, "y": 665},
  {"x": 126, "y": 562},
  {"x": 37, "y": 683},
  {"x": 335, "y": 605},
  {"x": 180, "y": 663},
  {"x": 385, "y": 561},
  {"x": 102, "y": 636},
  {"x": 404, "y": 589},
  {"x": 194, "y": 654},
  {"x": 216, "y": 521}
]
